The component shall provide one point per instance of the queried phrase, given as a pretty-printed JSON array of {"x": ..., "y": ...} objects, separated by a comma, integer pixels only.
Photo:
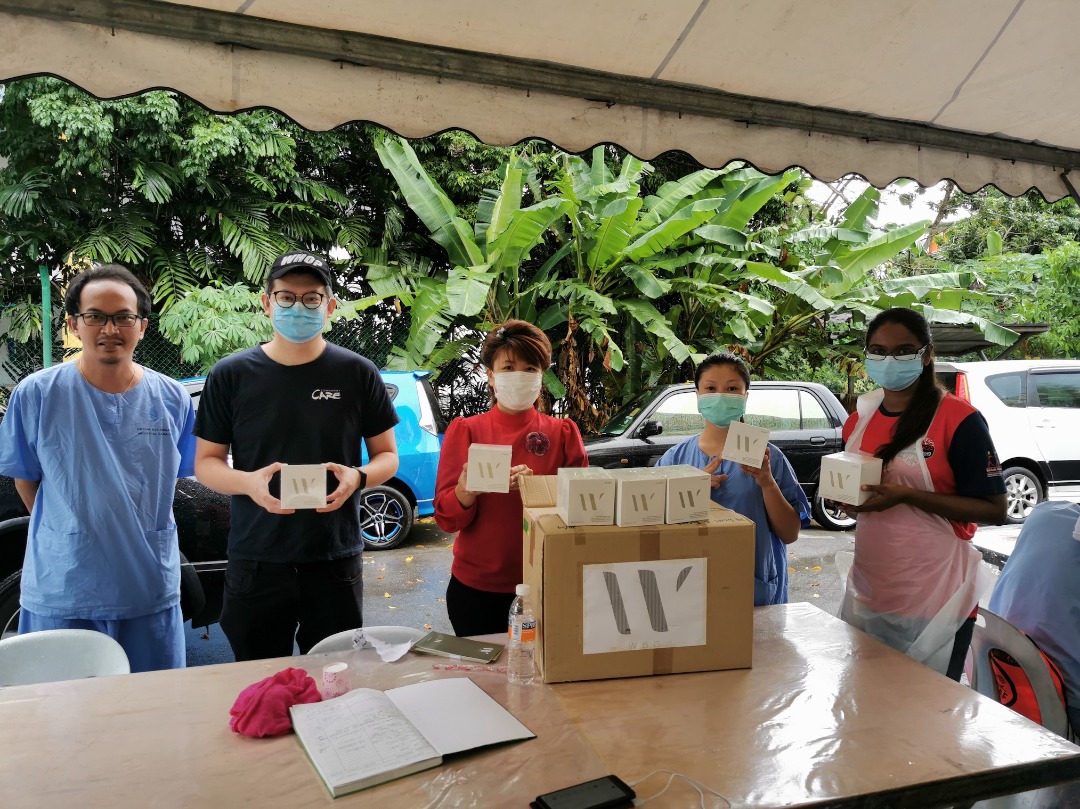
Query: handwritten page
[
  {"x": 456, "y": 715},
  {"x": 358, "y": 736}
]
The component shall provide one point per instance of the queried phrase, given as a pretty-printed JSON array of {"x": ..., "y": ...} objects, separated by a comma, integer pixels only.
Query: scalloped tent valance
[{"x": 977, "y": 91}]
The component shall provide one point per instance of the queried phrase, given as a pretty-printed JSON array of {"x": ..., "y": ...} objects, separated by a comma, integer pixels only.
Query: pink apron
[{"x": 913, "y": 581}]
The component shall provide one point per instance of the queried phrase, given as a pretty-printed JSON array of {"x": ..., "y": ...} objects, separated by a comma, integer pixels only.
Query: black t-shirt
[{"x": 299, "y": 414}]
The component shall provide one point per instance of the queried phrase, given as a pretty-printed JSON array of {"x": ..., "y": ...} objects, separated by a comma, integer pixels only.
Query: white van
[{"x": 1033, "y": 409}]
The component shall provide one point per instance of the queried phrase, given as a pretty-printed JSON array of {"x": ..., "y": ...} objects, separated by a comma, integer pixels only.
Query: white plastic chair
[
  {"x": 994, "y": 632},
  {"x": 60, "y": 654},
  {"x": 344, "y": 641}
]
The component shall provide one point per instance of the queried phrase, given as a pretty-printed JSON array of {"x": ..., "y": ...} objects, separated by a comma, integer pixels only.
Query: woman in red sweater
[{"x": 487, "y": 550}]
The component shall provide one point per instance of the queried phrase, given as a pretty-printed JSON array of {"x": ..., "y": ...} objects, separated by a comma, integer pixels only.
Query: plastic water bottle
[{"x": 521, "y": 641}]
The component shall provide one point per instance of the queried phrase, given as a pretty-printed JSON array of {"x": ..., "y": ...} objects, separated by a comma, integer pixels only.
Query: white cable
[{"x": 671, "y": 778}]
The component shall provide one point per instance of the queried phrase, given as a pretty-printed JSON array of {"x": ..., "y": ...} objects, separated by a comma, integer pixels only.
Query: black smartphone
[{"x": 608, "y": 792}]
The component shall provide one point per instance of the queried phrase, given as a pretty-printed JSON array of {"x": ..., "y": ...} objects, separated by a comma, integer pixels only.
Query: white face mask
[{"x": 517, "y": 390}]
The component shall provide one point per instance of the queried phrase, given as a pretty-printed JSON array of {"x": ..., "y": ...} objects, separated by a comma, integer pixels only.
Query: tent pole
[{"x": 1070, "y": 186}]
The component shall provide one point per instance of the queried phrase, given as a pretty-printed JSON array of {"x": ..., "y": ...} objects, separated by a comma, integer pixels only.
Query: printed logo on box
[{"x": 629, "y": 606}]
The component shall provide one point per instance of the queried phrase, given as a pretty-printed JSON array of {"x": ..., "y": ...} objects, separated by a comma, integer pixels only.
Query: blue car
[{"x": 389, "y": 510}]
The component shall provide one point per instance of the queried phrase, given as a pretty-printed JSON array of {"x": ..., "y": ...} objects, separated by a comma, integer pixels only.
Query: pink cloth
[{"x": 262, "y": 709}]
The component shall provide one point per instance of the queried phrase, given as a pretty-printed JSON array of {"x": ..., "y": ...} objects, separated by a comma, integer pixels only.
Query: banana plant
[{"x": 482, "y": 283}]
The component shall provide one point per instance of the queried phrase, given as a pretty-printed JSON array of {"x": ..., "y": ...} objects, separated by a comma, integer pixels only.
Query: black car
[{"x": 805, "y": 420}]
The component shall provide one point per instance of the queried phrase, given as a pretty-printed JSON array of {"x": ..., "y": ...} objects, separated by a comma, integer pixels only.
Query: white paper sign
[
  {"x": 644, "y": 605},
  {"x": 303, "y": 485}
]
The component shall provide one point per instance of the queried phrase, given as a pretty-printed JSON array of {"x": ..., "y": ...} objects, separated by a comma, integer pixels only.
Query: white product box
[
  {"x": 746, "y": 444},
  {"x": 688, "y": 496},
  {"x": 640, "y": 497},
  {"x": 303, "y": 485},
  {"x": 489, "y": 468},
  {"x": 843, "y": 475},
  {"x": 585, "y": 496}
]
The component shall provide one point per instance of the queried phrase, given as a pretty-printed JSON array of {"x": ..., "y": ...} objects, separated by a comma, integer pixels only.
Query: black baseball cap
[{"x": 301, "y": 261}]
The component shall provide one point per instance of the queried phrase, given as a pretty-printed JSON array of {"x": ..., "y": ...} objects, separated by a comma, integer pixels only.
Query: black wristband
[{"x": 363, "y": 478}]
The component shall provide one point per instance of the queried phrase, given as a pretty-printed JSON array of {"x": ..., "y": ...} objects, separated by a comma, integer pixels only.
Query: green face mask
[{"x": 721, "y": 408}]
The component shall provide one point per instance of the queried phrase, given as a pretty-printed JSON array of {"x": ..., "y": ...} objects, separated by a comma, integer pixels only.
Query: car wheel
[
  {"x": 830, "y": 515},
  {"x": 1024, "y": 493},
  {"x": 386, "y": 516},
  {"x": 9, "y": 605}
]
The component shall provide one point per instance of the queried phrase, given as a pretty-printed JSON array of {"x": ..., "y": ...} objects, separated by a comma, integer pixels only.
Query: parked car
[
  {"x": 1033, "y": 409},
  {"x": 202, "y": 515},
  {"x": 805, "y": 419}
]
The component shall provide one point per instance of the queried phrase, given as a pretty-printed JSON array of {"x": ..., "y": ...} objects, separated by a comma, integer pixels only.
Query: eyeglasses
[
  {"x": 905, "y": 357},
  {"x": 311, "y": 300},
  {"x": 122, "y": 320}
]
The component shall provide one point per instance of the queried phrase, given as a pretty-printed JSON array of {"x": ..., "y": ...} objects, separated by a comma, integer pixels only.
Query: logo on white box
[
  {"x": 644, "y": 605},
  {"x": 488, "y": 470},
  {"x": 591, "y": 501}
]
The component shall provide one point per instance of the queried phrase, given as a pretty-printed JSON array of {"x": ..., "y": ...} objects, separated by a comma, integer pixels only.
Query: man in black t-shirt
[{"x": 294, "y": 400}]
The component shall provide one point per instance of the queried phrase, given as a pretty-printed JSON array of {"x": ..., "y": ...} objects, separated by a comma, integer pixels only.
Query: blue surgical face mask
[
  {"x": 297, "y": 323},
  {"x": 895, "y": 374},
  {"x": 721, "y": 408}
]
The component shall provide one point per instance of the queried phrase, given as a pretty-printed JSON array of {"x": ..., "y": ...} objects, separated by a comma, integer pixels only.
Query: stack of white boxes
[{"x": 629, "y": 497}]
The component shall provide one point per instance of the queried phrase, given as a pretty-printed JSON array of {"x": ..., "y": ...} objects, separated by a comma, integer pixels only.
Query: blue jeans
[
  {"x": 268, "y": 604},
  {"x": 151, "y": 642}
]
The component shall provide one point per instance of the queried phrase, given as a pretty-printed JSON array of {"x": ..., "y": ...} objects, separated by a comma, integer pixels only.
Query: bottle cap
[{"x": 523, "y": 590}]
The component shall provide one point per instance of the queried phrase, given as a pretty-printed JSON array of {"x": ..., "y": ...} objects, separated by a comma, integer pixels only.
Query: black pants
[
  {"x": 960, "y": 649},
  {"x": 265, "y": 602},
  {"x": 476, "y": 612}
]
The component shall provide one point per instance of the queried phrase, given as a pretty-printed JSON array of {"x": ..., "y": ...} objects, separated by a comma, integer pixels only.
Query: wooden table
[{"x": 827, "y": 717}]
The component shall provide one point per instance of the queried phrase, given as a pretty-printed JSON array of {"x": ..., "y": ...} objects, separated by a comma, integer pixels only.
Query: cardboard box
[
  {"x": 688, "y": 495},
  {"x": 617, "y": 601},
  {"x": 489, "y": 467},
  {"x": 303, "y": 485},
  {"x": 843, "y": 475},
  {"x": 640, "y": 497},
  {"x": 585, "y": 496},
  {"x": 746, "y": 444}
]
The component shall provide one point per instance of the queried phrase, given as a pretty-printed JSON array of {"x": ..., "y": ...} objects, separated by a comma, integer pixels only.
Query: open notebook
[{"x": 366, "y": 737}]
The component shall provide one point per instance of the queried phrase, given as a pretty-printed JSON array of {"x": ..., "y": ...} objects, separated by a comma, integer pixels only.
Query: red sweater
[{"x": 487, "y": 550}]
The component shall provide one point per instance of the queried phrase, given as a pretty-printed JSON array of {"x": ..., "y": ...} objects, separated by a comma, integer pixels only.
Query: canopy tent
[{"x": 977, "y": 91}]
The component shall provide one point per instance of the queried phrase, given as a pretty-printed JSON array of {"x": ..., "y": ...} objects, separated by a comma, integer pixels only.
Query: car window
[
  {"x": 773, "y": 408},
  {"x": 678, "y": 414},
  {"x": 391, "y": 390},
  {"x": 1058, "y": 390},
  {"x": 620, "y": 422},
  {"x": 814, "y": 416},
  {"x": 948, "y": 380},
  {"x": 1009, "y": 388}
]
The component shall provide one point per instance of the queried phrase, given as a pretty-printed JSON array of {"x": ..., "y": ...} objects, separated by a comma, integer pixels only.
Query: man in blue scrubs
[{"x": 95, "y": 447}]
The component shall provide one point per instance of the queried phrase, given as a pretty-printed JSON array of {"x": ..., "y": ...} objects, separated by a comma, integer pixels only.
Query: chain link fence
[{"x": 460, "y": 388}]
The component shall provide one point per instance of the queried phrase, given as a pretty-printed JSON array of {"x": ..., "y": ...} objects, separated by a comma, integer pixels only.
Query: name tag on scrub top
[{"x": 303, "y": 485}]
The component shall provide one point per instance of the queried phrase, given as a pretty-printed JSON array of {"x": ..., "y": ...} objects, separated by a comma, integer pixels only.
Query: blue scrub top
[
  {"x": 1037, "y": 591},
  {"x": 741, "y": 494},
  {"x": 102, "y": 542}
]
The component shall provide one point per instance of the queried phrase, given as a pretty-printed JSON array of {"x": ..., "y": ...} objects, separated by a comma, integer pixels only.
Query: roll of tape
[{"x": 335, "y": 680}]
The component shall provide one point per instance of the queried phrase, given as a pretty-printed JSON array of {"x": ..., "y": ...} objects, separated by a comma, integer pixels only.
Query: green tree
[
  {"x": 157, "y": 182},
  {"x": 214, "y": 322}
]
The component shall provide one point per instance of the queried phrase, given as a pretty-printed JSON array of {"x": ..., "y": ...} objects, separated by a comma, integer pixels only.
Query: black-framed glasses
[
  {"x": 906, "y": 355},
  {"x": 311, "y": 300},
  {"x": 122, "y": 320}
]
